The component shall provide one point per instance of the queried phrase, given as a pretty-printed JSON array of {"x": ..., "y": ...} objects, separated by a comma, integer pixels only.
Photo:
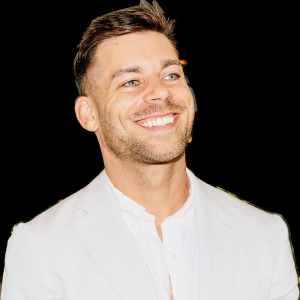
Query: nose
[{"x": 156, "y": 92}]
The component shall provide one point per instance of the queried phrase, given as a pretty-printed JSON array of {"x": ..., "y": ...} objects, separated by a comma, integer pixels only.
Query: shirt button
[
  {"x": 187, "y": 221},
  {"x": 161, "y": 258},
  {"x": 132, "y": 226},
  {"x": 146, "y": 218}
]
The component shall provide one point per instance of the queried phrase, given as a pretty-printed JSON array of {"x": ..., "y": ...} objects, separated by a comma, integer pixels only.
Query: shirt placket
[
  {"x": 173, "y": 255},
  {"x": 149, "y": 228}
]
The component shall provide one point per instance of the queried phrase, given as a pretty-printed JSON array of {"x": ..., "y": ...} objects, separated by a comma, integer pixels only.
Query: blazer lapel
[
  {"x": 103, "y": 232},
  {"x": 219, "y": 238}
]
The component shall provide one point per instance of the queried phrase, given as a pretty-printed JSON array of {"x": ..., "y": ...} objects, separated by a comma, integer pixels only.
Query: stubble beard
[{"x": 132, "y": 147}]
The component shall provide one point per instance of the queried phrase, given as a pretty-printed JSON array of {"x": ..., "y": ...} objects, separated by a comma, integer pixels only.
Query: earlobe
[{"x": 86, "y": 113}]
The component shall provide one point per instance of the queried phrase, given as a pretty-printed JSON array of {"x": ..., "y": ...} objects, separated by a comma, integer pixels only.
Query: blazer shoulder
[
  {"x": 239, "y": 200},
  {"x": 244, "y": 204},
  {"x": 252, "y": 214},
  {"x": 231, "y": 203},
  {"x": 61, "y": 212}
]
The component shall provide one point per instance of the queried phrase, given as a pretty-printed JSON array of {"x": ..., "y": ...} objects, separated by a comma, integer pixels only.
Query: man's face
[{"x": 145, "y": 107}]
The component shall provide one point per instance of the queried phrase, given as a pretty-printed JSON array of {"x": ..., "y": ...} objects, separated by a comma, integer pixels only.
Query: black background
[{"x": 241, "y": 65}]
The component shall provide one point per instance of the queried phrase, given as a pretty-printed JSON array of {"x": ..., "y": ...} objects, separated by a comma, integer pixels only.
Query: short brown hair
[{"x": 128, "y": 20}]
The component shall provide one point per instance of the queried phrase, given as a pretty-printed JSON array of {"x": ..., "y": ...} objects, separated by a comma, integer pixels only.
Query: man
[{"x": 146, "y": 227}]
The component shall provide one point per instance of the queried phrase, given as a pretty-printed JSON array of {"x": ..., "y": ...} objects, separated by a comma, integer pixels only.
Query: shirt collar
[{"x": 128, "y": 205}]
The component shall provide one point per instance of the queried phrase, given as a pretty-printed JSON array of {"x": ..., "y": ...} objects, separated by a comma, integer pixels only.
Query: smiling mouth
[{"x": 158, "y": 121}]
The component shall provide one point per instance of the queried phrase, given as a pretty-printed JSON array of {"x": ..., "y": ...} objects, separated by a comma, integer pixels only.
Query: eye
[
  {"x": 173, "y": 76},
  {"x": 130, "y": 83}
]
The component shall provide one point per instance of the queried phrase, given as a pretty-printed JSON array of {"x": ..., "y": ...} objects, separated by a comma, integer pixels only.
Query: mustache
[{"x": 159, "y": 108}]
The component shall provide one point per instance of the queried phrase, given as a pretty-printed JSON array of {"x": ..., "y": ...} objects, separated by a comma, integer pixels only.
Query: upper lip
[{"x": 157, "y": 116}]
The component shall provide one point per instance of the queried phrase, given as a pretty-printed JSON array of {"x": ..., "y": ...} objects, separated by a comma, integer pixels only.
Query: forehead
[{"x": 143, "y": 48}]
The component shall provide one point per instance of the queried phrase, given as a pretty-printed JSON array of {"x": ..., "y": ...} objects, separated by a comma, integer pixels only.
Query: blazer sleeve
[
  {"x": 285, "y": 278},
  {"x": 26, "y": 276}
]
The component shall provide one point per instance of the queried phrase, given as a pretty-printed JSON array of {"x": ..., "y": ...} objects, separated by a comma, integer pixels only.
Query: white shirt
[{"x": 176, "y": 256}]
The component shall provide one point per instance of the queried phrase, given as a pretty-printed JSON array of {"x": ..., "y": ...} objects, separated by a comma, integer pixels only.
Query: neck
[{"x": 161, "y": 188}]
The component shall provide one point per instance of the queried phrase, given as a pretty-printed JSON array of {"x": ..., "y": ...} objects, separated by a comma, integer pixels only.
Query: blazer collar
[
  {"x": 103, "y": 232},
  {"x": 218, "y": 239}
]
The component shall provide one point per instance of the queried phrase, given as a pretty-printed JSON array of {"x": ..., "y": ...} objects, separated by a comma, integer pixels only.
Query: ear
[{"x": 86, "y": 113}]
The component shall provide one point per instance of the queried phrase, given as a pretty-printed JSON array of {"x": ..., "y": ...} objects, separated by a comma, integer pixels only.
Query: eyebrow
[
  {"x": 170, "y": 62},
  {"x": 137, "y": 69},
  {"x": 120, "y": 72}
]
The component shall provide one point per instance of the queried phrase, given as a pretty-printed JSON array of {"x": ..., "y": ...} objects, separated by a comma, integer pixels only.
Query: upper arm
[
  {"x": 285, "y": 278},
  {"x": 25, "y": 274}
]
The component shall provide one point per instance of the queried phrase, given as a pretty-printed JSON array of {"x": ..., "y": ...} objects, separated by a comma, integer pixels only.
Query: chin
[
  {"x": 163, "y": 155},
  {"x": 161, "y": 149}
]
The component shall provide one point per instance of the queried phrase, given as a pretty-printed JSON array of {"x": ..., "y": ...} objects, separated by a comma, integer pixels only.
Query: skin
[{"x": 146, "y": 164}]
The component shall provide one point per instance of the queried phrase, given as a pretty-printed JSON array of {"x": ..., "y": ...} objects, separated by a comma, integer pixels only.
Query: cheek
[
  {"x": 186, "y": 98},
  {"x": 108, "y": 117},
  {"x": 117, "y": 116},
  {"x": 190, "y": 101},
  {"x": 183, "y": 94},
  {"x": 110, "y": 110}
]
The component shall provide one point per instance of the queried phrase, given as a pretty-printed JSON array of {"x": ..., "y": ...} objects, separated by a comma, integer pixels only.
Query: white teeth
[{"x": 159, "y": 122}]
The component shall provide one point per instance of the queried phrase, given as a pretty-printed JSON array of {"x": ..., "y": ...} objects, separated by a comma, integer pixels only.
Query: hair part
[{"x": 139, "y": 18}]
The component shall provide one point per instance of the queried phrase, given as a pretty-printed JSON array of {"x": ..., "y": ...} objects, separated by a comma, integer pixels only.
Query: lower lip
[{"x": 162, "y": 128}]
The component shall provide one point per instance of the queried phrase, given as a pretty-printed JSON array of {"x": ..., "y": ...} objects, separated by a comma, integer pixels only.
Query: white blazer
[{"x": 81, "y": 249}]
